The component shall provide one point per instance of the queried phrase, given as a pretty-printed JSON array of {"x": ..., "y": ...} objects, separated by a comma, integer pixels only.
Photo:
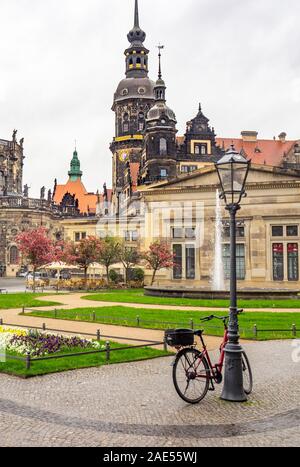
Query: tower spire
[
  {"x": 75, "y": 173},
  {"x": 160, "y": 48},
  {"x": 136, "y": 15}
]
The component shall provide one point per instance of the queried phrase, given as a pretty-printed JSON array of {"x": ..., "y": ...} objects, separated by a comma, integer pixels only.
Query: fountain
[{"x": 218, "y": 282}]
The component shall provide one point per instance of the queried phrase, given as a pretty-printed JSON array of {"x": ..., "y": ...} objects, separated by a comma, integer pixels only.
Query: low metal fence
[
  {"x": 29, "y": 360},
  {"x": 192, "y": 324}
]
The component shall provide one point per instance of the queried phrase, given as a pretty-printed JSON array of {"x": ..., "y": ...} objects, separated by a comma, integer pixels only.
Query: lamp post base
[{"x": 233, "y": 389}]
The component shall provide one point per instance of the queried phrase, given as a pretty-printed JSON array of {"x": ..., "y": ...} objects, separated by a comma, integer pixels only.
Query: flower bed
[{"x": 38, "y": 344}]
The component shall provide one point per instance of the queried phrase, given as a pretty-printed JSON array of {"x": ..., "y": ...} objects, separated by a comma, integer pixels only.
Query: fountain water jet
[{"x": 218, "y": 282}]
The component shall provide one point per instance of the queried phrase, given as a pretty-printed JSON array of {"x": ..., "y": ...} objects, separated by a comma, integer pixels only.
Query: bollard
[
  {"x": 23, "y": 310},
  {"x": 28, "y": 361},
  {"x": 1, "y": 321},
  {"x": 94, "y": 316},
  {"x": 192, "y": 323},
  {"x": 44, "y": 326},
  {"x": 98, "y": 335},
  {"x": 294, "y": 330},
  {"x": 165, "y": 345},
  {"x": 138, "y": 321},
  {"x": 55, "y": 313},
  {"x": 107, "y": 348},
  {"x": 255, "y": 331}
]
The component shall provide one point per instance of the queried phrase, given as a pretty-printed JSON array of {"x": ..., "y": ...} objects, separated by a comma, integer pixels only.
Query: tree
[
  {"x": 38, "y": 249},
  {"x": 159, "y": 256},
  {"x": 109, "y": 254},
  {"x": 83, "y": 254},
  {"x": 129, "y": 257}
]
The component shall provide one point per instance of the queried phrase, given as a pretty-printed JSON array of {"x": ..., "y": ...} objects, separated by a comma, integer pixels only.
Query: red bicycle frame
[{"x": 215, "y": 370}]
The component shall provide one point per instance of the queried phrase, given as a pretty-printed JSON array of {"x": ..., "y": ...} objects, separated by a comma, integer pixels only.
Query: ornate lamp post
[{"x": 233, "y": 170}]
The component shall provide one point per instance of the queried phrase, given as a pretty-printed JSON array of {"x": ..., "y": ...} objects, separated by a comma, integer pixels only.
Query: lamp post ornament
[{"x": 233, "y": 170}]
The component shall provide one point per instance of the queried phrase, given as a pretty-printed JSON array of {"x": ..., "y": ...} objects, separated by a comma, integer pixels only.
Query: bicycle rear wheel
[
  {"x": 191, "y": 375},
  {"x": 247, "y": 374}
]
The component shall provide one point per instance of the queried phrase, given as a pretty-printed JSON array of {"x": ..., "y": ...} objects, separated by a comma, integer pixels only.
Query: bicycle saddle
[{"x": 199, "y": 332}]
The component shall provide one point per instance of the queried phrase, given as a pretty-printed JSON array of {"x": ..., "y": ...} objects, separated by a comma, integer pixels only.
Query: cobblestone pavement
[{"x": 136, "y": 405}]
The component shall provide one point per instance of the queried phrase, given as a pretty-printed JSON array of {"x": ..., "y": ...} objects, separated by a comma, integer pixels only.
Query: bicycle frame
[{"x": 215, "y": 370}]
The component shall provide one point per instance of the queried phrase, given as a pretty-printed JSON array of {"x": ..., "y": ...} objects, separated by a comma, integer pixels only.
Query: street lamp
[{"x": 233, "y": 170}]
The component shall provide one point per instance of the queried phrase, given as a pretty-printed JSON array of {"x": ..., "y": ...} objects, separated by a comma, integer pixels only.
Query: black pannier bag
[{"x": 179, "y": 337}]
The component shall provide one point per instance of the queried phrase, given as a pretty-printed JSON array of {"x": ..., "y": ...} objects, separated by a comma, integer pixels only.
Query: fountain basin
[{"x": 206, "y": 293}]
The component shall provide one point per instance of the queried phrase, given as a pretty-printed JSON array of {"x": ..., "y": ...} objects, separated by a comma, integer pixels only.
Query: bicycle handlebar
[{"x": 223, "y": 318}]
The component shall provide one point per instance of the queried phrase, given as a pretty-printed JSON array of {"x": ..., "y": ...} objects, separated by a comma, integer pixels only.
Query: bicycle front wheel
[
  {"x": 191, "y": 375},
  {"x": 247, "y": 374}
]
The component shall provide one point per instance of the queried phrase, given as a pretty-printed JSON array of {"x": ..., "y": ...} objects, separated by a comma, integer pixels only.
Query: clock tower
[{"x": 132, "y": 101}]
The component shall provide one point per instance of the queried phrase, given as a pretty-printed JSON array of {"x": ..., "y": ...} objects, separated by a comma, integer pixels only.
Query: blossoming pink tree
[
  {"x": 159, "y": 257},
  {"x": 38, "y": 249}
]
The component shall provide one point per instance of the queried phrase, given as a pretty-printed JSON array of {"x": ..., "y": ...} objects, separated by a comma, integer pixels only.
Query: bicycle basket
[{"x": 179, "y": 337}]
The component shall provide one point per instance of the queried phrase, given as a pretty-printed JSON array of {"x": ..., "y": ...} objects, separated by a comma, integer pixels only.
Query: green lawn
[
  {"x": 137, "y": 296},
  {"x": 163, "y": 319},
  {"x": 18, "y": 368},
  {"x": 28, "y": 300}
]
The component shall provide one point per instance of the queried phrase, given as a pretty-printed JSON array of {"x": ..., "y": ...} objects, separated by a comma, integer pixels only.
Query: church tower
[
  {"x": 160, "y": 150},
  {"x": 132, "y": 101},
  {"x": 11, "y": 166}
]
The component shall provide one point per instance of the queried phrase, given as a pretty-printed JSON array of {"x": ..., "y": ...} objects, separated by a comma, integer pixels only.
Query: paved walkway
[
  {"x": 135, "y": 404},
  {"x": 76, "y": 301}
]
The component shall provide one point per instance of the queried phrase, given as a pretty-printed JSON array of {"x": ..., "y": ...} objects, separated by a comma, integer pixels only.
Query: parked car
[
  {"x": 23, "y": 274},
  {"x": 38, "y": 276},
  {"x": 65, "y": 275}
]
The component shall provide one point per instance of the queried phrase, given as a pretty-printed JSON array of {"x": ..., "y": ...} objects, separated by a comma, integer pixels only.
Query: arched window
[
  {"x": 203, "y": 149},
  {"x": 2, "y": 183},
  {"x": 14, "y": 255},
  {"x": 163, "y": 146},
  {"x": 141, "y": 123},
  {"x": 126, "y": 123},
  {"x": 197, "y": 149},
  {"x": 130, "y": 61},
  {"x": 138, "y": 60}
]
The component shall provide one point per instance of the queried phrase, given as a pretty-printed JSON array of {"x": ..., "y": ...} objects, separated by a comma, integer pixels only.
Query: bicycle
[{"x": 193, "y": 372}]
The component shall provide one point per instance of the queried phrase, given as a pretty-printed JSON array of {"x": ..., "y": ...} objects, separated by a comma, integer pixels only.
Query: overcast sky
[{"x": 61, "y": 61}]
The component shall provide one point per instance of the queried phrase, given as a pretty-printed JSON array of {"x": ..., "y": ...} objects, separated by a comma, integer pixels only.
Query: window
[
  {"x": 177, "y": 232},
  {"x": 278, "y": 266},
  {"x": 131, "y": 235},
  {"x": 190, "y": 258},
  {"x": 292, "y": 231},
  {"x": 163, "y": 173},
  {"x": 126, "y": 123},
  {"x": 14, "y": 255},
  {"x": 277, "y": 231},
  {"x": 177, "y": 268},
  {"x": 141, "y": 121},
  {"x": 188, "y": 168},
  {"x": 162, "y": 146},
  {"x": 83, "y": 235},
  {"x": 203, "y": 149},
  {"x": 197, "y": 149},
  {"x": 77, "y": 236},
  {"x": 293, "y": 262},
  {"x": 135, "y": 236},
  {"x": 240, "y": 261},
  {"x": 190, "y": 233},
  {"x": 240, "y": 231}
]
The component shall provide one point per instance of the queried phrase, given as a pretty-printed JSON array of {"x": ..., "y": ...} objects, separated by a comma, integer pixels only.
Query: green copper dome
[{"x": 75, "y": 173}]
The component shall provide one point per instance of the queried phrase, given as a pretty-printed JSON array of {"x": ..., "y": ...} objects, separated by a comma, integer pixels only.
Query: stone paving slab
[{"x": 135, "y": 404}]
